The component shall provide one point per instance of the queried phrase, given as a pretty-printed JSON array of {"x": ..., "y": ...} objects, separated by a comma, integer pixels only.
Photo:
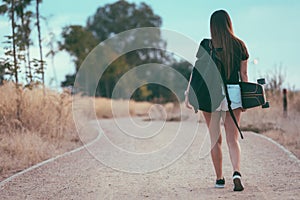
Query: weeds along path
[{"x": 269, "y": 172}]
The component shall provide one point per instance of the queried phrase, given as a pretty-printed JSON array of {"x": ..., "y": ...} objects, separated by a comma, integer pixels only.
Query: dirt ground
[{"x": 268, "y": 171}]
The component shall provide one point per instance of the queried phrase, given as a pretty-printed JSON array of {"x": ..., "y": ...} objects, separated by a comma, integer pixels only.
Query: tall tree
[
  {"x": 13, "y": 30},
  {"x": 78, "y": 41},
  {"x": 10, "y": 63},
  {"x": 16, "y": 67},
  {"x": 24, "y": 31},
  {"x": 121, "y": 16},
  {"x": 9, "y": 7},
  {"x": 107, "y": 22},
  {"x": 41, "y": 60},
  {"x": 21, "y": 17}
]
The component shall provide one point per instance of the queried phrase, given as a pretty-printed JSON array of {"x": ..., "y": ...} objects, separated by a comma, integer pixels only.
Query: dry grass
[
  {"x": 107, "y": 108},
  {"x": 44, "y": 128},
  {"x": 272, "y": 122}
]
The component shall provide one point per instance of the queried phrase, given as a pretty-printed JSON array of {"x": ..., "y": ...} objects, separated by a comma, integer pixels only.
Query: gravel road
[{"x": 269, "y": 171}]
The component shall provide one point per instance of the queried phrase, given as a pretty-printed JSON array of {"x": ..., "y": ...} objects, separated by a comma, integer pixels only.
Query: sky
[{"x": 270, "y": 30}]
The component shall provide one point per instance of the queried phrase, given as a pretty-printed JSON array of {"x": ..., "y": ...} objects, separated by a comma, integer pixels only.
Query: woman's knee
[
  {"x": 232, "y": 139},
  {"x": 216, "y": 142},
  {"x": 219, "y": 141}
]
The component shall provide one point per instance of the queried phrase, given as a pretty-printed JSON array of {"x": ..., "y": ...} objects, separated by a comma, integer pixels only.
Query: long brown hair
[{"x": 223, "y": 37}]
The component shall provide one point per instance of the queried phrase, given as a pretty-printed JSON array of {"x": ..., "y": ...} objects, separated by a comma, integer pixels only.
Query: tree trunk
[
  {"x": 40, "y": 43},
  {"x": 29, "y": 64},
  {"x": 15, "y": 71},
  {"x": 13, "y": 26},
  {"x": 25, "y": 39}
]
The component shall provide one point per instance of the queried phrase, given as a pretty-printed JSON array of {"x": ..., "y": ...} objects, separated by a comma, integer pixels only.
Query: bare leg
[
  {"x": 232, "y": 136},
  {"x": 213, "y": 124}
]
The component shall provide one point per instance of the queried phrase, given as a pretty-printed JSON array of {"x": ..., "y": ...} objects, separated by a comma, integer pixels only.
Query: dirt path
[{"x": 268, "y": 172}]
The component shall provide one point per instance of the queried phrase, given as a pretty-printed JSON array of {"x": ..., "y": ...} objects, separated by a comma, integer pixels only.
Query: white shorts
[{"x": 234, "y": 92}]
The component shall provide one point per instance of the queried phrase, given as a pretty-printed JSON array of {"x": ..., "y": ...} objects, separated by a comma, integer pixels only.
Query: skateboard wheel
[
  {"x": 261, "y": 81},
  {"x": 266, "y": 105}
]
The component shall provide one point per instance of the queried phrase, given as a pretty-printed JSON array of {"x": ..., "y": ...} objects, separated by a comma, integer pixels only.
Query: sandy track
[{"x": 268, "y": 173}]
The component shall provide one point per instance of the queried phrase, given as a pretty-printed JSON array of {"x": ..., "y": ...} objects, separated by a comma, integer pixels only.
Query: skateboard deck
[{"x": 253, "y": 95}]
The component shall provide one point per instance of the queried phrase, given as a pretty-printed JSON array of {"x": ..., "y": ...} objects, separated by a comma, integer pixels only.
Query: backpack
[
  {"x": 207, "y": 85},
  {"x": 205, "y": 91}
]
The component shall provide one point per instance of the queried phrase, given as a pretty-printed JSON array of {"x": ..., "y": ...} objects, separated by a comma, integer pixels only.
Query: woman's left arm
[
  {"x": 244, "y": 70},
  {"x": 244, "y": 74}
]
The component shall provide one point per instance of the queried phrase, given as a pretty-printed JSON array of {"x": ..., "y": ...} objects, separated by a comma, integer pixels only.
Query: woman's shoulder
[
  {"x": 239, "y": 46},
  {"x": 205, "y": 42},
  {"x": 203, "y": 47},
  {"x": 240, "y": 43}
]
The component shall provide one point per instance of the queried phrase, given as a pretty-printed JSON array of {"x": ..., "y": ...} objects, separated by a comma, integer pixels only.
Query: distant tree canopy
[
  {"x": 108, "y": 21},
  {"x": 78, "y": 41},
  {"x": 121, "y": 16}
]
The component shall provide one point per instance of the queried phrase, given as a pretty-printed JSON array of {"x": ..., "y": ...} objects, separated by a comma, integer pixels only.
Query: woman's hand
[{"x": 186, "y": 100}]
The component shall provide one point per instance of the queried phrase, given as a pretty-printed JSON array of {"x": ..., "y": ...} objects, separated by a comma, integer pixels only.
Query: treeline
[
  {"x": 79, "y": 41},
  {"x": 108, "y": 21}
]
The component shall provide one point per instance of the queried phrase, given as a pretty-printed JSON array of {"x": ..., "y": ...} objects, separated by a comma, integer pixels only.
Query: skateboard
[{"x": 253, "y": 94}]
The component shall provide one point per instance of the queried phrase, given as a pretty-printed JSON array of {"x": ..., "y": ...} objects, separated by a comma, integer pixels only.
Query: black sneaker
[
  {"x": 220, "y": 183},
  {"x": 238, "y": 186}
]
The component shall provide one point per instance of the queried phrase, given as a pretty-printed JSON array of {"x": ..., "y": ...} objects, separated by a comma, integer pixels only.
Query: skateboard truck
[{"x": 262, "y": 81}]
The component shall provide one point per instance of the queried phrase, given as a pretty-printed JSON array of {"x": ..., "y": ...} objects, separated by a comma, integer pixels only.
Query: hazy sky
[{"x": 270, "y": 29}]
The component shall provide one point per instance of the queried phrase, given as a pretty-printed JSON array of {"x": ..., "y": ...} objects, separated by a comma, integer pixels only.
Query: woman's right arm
[{"x": 244, "y": 70}]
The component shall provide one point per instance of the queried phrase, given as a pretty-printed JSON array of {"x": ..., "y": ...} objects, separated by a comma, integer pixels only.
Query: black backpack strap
[
  {"x": 215, "y": 58},
  {"x": 230, "y": 109}
]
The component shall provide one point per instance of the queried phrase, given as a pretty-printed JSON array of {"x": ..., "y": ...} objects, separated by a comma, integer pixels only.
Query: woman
[{"x": 233, "y": 54}]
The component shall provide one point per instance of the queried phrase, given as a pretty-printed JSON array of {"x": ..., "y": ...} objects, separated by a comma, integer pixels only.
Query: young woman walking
[{"x": 232, "y": 54}]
